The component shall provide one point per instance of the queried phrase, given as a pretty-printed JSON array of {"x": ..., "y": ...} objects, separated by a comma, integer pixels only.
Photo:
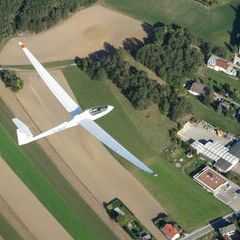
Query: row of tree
[
  {"x": 11, "y": 80},
  {"x": 134, "y": 84},
  {"x": 34, "y": 15}
]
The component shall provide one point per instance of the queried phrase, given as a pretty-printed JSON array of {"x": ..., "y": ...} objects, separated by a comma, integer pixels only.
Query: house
[
  {"x": 171, "y": 232},
  {"x": 210, "y": 180},
  {"x": 221, "y": 65},
  {"x": 225, "y": 105},
  {"x": 197, "y": 88},
  {"x": 229, "y": 232}
]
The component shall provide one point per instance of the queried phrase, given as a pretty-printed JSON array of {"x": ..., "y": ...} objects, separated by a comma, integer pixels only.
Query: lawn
[
  {"x": 34, "y": 168},
  {"x": 211, "y": 24},
  {"x": 145, "y": 133},
  {"x": 220, "y": 77},
  {"x": 7, "y": 231}
]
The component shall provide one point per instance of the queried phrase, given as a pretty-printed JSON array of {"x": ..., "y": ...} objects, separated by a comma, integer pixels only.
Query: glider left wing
[
  {"x": 68, "y": 103},
  {"x": 110, "y": 142}
]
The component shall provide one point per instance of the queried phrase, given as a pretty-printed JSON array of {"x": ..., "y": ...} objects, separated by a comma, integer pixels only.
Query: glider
[{"x": 84, "y": 118}]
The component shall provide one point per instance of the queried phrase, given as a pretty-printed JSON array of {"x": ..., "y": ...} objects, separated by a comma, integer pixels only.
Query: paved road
[{"x": 221, "y": 222}]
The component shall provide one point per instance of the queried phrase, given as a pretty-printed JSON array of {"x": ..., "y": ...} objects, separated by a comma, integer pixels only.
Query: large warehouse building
[{"x": 222, "y": 157}]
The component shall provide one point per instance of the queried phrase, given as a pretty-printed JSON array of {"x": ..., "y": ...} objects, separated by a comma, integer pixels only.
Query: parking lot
[
  {"x": 230, "y": 195},
  {"x": 202, "y": 130}
]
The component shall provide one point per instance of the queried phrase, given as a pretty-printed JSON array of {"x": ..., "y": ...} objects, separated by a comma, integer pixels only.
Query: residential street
[{"x": 208, "y": 228}]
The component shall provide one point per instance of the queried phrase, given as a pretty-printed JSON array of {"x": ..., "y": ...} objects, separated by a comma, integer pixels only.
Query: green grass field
[
  {"x": 35, "y": 169},
  {"x": 7, "y": 231},
  {"x": 206, "y": 73},
  {"x": 145, "y": 134},
  {"x": 211, "y": 24}
]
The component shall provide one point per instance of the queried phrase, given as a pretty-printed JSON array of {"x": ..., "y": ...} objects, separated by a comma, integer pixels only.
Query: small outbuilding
[{"x": 197, "y": 88}]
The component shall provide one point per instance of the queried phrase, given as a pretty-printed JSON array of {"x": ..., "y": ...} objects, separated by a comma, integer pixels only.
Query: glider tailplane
[{"x": 24, "y": 134}]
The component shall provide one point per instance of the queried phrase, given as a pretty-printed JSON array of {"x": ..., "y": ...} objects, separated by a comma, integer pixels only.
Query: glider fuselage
[{"x": 91, "y": 113}]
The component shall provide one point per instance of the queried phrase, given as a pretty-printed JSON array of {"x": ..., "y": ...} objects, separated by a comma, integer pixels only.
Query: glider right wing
[{"x": 110, "y": 142}]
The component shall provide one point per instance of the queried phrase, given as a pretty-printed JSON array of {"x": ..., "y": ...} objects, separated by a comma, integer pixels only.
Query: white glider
[{"x": 85, "y": 118}]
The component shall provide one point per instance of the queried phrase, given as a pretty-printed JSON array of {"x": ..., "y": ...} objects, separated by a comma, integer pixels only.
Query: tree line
[
  {"x": 134, "y": 84},
  {"x": 34, "y": 15},
  {"x": 171, "y": 52}
]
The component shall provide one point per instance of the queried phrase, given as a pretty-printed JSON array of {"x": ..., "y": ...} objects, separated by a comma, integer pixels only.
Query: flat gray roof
[
  {"x": 222, "y": 164},
  {"x": 235, "y": 149}
]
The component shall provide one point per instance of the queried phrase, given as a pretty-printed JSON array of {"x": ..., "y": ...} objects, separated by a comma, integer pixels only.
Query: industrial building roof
[
  {"x": 216, "y": 152},
  {"x": 223, "y": 165},
  {"x": 235, "y": 149}
]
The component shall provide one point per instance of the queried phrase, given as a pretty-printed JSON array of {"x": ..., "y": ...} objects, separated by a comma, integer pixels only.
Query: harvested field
[
  {"x": 89, "y": 161},
  {"x": 83, "y": 33},
  {"x": 26, "y": 207}
]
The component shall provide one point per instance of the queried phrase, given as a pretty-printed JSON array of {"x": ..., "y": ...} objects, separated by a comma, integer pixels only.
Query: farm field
[
  {"x": 44, "y": 180},
  {"x": 215, "y": 22},
  {"x": 80, "y": 155},
  {"x": 87, "y": 31},
  {"x": 7, "y": 231},
  {"x": 172, "y": 189},
  {"x": 18, "y": 204}
]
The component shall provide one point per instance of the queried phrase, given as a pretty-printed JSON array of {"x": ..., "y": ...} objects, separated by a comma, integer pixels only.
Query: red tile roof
[
  {"x": 170, "y": 230},
  {"x": 222, "y": 63}
]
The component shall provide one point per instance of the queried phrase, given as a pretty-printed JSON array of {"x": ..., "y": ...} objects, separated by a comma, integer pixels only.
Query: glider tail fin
[{"x": 24, "y": 134}]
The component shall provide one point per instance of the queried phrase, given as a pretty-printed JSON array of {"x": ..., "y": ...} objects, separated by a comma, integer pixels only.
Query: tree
[
  {"x": 34, "y": 15},
  {"x": 11, "y": 80},
  {"x": 164, "y": 106},
  {"x": 100, "y": 74}
]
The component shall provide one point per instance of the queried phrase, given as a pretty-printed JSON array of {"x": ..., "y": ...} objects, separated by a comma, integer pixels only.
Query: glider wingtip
[{"x": 21, "y": 44}]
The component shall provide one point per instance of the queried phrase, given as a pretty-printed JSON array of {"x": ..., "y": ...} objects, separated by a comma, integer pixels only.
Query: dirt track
[
  {"x": 83, "y": 33},
  {"x": 82, "y": 155},
  {"x": 33, "y": 221}
]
